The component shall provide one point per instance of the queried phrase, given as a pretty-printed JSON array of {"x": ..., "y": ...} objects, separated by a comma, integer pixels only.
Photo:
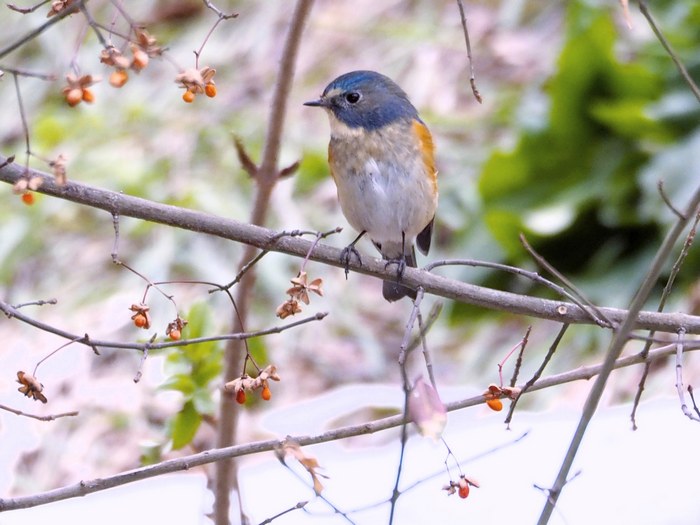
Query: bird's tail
[{"x": 393, "y": 290}]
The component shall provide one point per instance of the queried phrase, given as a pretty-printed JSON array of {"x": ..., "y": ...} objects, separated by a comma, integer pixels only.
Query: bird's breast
[{"x": 385, "y": 186}]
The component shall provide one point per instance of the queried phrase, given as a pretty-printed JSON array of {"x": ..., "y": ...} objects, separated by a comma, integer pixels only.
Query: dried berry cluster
[
  {"x": 142, "y": 319},
  {"x": 494, "y": 393},
  {"x": 299, "y": 292},
  {"x": 240, "y": 385}
]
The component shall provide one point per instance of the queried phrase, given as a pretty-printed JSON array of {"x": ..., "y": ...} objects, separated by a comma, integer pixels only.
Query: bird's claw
[
  {"x": 346, "y": 256},
  {"x": 400, "y": 263}
]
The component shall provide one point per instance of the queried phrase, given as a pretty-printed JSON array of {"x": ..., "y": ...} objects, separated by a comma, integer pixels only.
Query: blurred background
[{"x": 581, "y": 117}]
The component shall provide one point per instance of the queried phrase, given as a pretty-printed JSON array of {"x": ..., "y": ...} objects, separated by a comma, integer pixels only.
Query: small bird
[{"x": 381, "y": 158}]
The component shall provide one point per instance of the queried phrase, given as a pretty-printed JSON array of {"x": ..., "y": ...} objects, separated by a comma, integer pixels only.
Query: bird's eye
[{"x": 353, "y": 97}]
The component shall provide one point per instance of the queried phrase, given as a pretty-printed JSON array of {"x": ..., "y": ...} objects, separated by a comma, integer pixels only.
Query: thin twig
[
  {"x": 40, "y": 302},
  {"x": 679, "y": 378},
  {"x": 516, "y": 370},
  {"x": 570, "y": 285},
  {"x": 552, "y": 348},
  {"x": 37, "y": 31},
  {"x": 27, "y": 10},
  {"x": 422, "y": 330},
  {"x": 215, "y": 455},
  {"x": 298, "y": 506},
  {"x": 75, "y": 340},
  {"x": 221, "y": 17},
  {"x": 12, "y": 312},
  {"x": 50, "y": 417},
  {"x": 403, "y": 354},
  {"x": 533, "y": 276},
  {"x": 659, "y": 35},
  {"x": 266, "y": 177},
  {"x": 666, "y": 199},
  {"x": 335, "y": 509},
  {"x": 25, "y": 126},
  {"x": 472, "y": 76},
  {"x": 665, "y": 294},
  {"x": 25, "y": 73},
  {"x": 614, "y": 351},
  {"x": 91, "y": 22}
]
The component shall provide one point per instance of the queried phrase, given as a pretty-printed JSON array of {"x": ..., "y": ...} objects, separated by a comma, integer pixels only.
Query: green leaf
[
  {"x": 181, "y": 383},
  {"x": 185, "y": 425},
  {"x": 313, "y": 169},
  {"x": 506, "y": 227},
  {"x": 628, "y": 118}
]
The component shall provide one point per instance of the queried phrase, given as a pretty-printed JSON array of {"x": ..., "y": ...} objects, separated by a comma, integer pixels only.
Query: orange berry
[
  {"x": 463, "y": 490},
  {"x": 240, "y": 397},
  {"x": 74, "y": 96},
  {"x": 88, "y": 96},
  {"x": 140, "y": 60},
  {"x": 495, "y": 404},
  {"x": 118, "y": 78},
  {"x": 175, "y": 335},
  {"x": 266, "y": 394},
  {"x": 210, "y": 90},
  {"x": 140, "y": 320},
  {"x": 28, "y": 198},
  {"x": 188, "y": 96}
]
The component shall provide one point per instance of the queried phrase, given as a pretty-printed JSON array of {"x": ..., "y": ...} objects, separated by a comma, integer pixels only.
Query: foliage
[
  {"x": 193, "y": 372},
  {"x": 578, "y": 184}
]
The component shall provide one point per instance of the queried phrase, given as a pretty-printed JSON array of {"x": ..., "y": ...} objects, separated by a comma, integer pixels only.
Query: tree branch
[
  {"x": 614, "y": 350},
  {"x": 266, "y": 177},
  {"x": 263, "y": 238},
  {"x": 84, "y": 488}
]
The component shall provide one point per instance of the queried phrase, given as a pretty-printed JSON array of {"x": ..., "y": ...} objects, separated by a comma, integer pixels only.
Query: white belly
[{"x": 387, "y": 202}]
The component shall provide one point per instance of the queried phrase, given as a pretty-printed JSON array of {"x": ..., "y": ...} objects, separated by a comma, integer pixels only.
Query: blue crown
[{"x": 383, "y": 102}]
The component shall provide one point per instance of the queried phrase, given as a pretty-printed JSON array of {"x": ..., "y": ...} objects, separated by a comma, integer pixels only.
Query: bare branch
[
  {"x": 679, "y": 378},
  {"x": 50, "y": 417},
  {"x": 615, "y": 349},
  {"x": 556, "y": 273},
  {"x": 267, "y": 239},
  {"x": 36, "y": 32},
  {"x": 552, "y": 348},
  {"x": 681, "y": 68},
  {"x": 210, "y": 456},
  {"x": 662, "y": 304},
  {"x": 472, "y": 76},
  {"x": 266, "y": 177},
  {"x": 12, "y": 312}
]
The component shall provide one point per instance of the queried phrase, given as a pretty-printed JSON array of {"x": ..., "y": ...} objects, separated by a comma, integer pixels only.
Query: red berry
[
  {"x": 175, "y": 335},
  {"x": 28, "y": 198},
  {"x": 240, "y": 397},
  {"x": 463, "y": 490},
  {"x": 266, "y": 394},
  {"x": 140, "y": 320}
]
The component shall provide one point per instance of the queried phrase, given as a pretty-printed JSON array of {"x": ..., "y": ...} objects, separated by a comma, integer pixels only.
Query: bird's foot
[
  {"x": 400, "y": 263},
  {"x": 346, "y": 256}
]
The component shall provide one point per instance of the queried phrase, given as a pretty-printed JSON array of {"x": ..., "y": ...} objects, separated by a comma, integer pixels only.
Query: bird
[{"x": 381, "y": 157}]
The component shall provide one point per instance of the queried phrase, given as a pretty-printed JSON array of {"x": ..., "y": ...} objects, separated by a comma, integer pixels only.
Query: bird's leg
[
  {"x": 349, "y": 251},
  {"x": 400, "y": 261}
]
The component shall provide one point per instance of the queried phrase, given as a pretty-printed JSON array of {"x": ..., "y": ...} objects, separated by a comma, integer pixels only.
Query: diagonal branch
[{"x": 615, "y": 349}]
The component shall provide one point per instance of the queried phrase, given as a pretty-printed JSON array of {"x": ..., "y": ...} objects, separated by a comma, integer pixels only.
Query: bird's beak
[{"x": 316, "y": 103}]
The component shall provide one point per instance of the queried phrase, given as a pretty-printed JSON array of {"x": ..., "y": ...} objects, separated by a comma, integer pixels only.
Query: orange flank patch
[{"x": 427, "y": 149}]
